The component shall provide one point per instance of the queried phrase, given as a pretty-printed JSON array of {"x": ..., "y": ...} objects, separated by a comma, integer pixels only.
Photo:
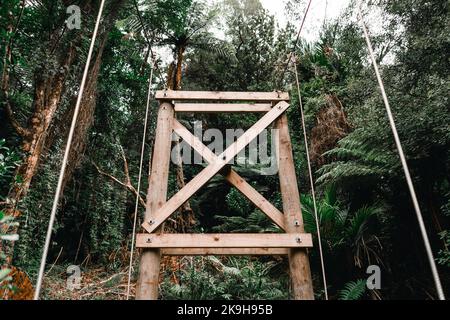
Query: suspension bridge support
[
  {"x": 147, "y": 286},
  {"x": 293, "y": 242},
  {"x": 302, "y": 288}
]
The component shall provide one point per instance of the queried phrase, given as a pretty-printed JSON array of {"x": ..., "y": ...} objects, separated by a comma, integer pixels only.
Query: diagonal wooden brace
[
  {"x": 212, "y": 169},
  {"x": 232, "y": 176}
]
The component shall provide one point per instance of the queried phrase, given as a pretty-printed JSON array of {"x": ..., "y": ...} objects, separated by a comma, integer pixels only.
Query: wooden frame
[
  {"x": 212, "y": 169},
  {"x": 292, "y": 243}
]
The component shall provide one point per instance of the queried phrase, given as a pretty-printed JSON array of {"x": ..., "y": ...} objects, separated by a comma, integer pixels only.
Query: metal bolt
[
  {"x": 298, "y": 239},
  {"x": 151, "y": 222}
]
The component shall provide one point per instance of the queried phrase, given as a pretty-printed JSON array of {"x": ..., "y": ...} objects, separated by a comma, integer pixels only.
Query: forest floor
[{"x": 96, "y": 283}]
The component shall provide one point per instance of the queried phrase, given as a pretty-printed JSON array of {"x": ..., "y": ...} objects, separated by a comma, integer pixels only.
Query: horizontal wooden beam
[
  {"x": 229, "y": 240},
  {"x": 222, "y": 96},
  {"x": 225, "y": 252},
  {"x": 222, "y": 107}
]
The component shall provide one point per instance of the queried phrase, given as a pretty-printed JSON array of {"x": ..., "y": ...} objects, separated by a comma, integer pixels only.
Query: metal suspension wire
[
  {"x": 311, "y": 180},
  {"x": 280, "y": 82},
  {"x": 398, "y": 143},
  {"x": 66, "y": 156},
  {"x": 313, "y": 193},
  {"x": 144, "y": 136},
  {"x": 154, "y": 66}
]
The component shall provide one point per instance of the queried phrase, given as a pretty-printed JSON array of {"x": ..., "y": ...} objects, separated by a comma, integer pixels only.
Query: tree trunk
[
  {"x": 47, "y": 95},
  {"x": 179, "y": 70},
  {"x": 88, "y": 103},
  {"x": 48, "y": 91}
]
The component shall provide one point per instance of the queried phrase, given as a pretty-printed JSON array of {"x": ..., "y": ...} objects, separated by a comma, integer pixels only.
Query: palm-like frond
[
  {"x": 218, "y": 47},
  {"x": 358, "y": 224},
  {"x": 329, "y": 215},
  {"x": 342, "y": 228},
  {"x": 256, "y": 222},
  {"x": 355, "y": 157}
]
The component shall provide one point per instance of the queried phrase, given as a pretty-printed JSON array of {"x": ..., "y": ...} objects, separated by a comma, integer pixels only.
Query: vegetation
[{"x": 364, "y": 209}]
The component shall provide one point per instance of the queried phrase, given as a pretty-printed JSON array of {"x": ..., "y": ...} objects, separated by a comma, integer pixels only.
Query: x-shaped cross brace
[{"x": 216, "y": 164}]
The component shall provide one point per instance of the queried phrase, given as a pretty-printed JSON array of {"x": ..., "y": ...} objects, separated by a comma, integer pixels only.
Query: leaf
[
  {"x": 4, "y": 273},
  {"x": 353, "y": 290}
]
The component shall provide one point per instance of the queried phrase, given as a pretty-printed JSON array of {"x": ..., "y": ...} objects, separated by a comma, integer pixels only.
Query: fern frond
[
  {"x": 337, "y": 171},
  {"x": 353, "y": 290}
]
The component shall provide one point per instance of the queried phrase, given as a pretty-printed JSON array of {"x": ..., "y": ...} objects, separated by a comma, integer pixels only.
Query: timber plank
[
  {"x": 302, "y": 288},
  {"x": 225, "y": 252},
  {"x": 147, "y": 285},
  {"x": 222, "y": 96},
  {"x": 222, "y": 107},
  {"x": 225, "y": 240}
]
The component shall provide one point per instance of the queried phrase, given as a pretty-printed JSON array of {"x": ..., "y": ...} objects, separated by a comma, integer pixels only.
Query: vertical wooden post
[
  {"x": 302, "y": 288},
  {"x": 147, "y": 286}
]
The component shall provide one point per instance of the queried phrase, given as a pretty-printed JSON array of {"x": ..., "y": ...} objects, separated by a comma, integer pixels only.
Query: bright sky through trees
[{"x": 320, "y": 9}]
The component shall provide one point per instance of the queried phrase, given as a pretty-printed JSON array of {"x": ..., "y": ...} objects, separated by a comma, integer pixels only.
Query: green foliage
[
  {"x": 343, "y": 230},
  {"x": 9, "y": 160},
  {"x": 5, "y": 223},
  {"x": 244, "y": 217},
  {"x": 358, "y": 158},
  {"x": 364, "y": 208},
  {"x": 353, "y": 290},
  {"x": 364, "y": 165},
  {"x": 212, "y": 278},
  {"x": 444, "y": 254},
  {"x": 36, "y": 208}
]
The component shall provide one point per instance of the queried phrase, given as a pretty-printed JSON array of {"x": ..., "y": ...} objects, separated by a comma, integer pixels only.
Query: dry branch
[{"x": 127, "y": 184}]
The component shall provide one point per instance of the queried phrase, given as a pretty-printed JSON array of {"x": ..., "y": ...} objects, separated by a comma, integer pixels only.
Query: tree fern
[{"x": 356, "y": 158}]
